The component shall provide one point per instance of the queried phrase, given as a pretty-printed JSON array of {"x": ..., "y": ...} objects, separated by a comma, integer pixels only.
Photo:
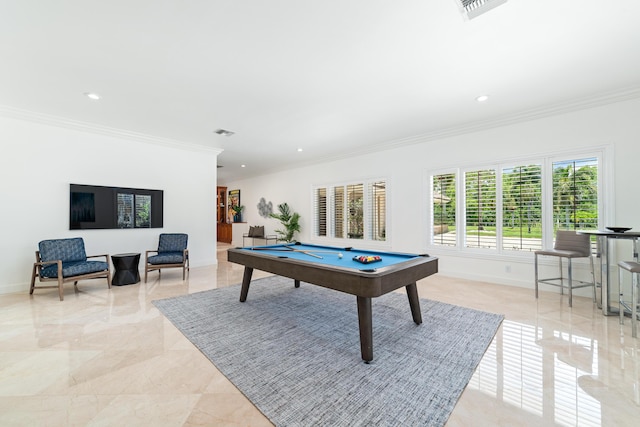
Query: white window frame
[
  {"x": 368, "y": 204},
  {"x": 606, "y": 197}
]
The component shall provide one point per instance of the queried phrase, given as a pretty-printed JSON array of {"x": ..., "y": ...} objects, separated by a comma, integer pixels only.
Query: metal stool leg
[
  {"x": 634, "y": 304},
  {"x": 593, "y": 279},
  {"x": 621, "y": 296},
  {"x": 561, "y": 277},
  {"x": 535, "y": 266},
  {"x": 570, "y": 274}
]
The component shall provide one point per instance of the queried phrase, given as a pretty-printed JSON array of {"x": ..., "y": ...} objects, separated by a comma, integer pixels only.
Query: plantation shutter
[
  {"x": 522, "y": 208},
  {"x": 338, "y": 212},
  {"x": 480, "y": 209},
  {"x": 351, "y": 211},
  {"x": 321, "y": 211},
  {"x": 443, "y": 209},
  {"x": 575, "y": 194},
  {"x": 377, "y": 208},
  {"x": 355, "y": 213}
]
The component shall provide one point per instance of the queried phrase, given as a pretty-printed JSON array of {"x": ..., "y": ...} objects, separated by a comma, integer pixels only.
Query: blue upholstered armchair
[
  {"x": 172, "y": 253},
  {"x": 65, "y": 260}
]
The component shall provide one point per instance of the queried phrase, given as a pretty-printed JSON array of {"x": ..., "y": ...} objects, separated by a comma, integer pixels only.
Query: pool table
[{"x": 323, "y": 266}]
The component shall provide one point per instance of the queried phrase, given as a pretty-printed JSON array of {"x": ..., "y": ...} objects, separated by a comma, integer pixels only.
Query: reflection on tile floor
[{"x": 107, "y": 357}]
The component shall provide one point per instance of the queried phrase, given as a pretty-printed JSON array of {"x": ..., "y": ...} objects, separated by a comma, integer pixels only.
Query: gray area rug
[{"x": 295, "y": 353}]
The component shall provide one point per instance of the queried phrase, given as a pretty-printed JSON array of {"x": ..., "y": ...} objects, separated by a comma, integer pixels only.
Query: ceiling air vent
[
  {"x": 474, "y": 8},
  {"x": 223, "y": 132}
]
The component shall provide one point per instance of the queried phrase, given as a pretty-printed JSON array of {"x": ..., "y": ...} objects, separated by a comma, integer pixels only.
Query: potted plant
[
  {"x": 237, "y": 212},
  {"x": 290, "y": 222}
]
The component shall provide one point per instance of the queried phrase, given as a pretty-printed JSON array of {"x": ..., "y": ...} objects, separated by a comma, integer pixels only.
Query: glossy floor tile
[{"x": 107, "y": 357}]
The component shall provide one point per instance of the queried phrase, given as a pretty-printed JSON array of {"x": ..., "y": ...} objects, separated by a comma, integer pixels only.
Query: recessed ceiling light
[
  {"x": 223, "y": 132},
  {"x": 243, "y": 166},
  {"x": 299, "y": 149},
  {"x": 92, "y": 95},
  {"x": 482, "y": 98}
]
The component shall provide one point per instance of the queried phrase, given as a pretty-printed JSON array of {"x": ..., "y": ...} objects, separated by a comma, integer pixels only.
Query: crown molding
[
  {"x": 519, "y": 117},
  {"x": 549, "y": 110},
  {"x": 51, "y": 120},
  {"x": 597, "y": 100}
]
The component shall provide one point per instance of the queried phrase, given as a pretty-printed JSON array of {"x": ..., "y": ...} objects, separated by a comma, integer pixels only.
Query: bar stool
[
  {"x": 631, "y": 305},
  {"x": 570, "y": 245}
]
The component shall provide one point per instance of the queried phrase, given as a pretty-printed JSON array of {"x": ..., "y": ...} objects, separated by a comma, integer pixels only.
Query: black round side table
[{"x": 126, "y": 266}]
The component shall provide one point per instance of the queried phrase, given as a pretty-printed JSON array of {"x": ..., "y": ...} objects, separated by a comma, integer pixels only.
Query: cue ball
[{"x": 339, "y": 255}]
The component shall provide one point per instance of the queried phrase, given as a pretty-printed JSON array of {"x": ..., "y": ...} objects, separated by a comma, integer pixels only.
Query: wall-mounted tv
[{"x": 100, "y": 207}]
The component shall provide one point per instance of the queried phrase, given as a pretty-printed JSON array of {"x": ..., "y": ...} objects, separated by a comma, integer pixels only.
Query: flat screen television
[{"x": 100, "y": 207}]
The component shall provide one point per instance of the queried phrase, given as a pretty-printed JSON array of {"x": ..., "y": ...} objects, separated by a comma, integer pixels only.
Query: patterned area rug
[{"x": 295, "y": 353}]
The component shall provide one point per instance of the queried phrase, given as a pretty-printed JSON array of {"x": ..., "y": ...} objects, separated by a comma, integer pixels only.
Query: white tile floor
[{"x": 107, "y": 357}]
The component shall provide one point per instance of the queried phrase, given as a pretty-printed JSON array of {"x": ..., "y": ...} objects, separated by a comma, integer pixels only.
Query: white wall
[
  {"x": 38, "y": 163},
  {"x": 616, "y": 126}
]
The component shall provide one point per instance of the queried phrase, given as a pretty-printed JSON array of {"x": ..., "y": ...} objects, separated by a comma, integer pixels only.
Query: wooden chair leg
[
  {"x": 60, "y": 288},
  {"x": 33, "y": 280}
]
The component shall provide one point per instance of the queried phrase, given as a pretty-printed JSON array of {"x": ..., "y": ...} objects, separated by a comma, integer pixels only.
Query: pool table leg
[
  {"x": 246, "y": 280},
  {"x": 414, "y": 302},
  {"x": 366, "y": 328}
]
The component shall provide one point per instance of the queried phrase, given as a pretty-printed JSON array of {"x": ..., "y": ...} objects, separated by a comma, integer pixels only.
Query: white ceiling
[{"x": 332, "y": 77}]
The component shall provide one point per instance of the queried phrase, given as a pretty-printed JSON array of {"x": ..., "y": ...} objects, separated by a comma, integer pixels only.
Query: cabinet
[
  {"x": 224, "y": 232},
  {"x": 221, "y": 203},
  {"x": 223, "y": 229}
]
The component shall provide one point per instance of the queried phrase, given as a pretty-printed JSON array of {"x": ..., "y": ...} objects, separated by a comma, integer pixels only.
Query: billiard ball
[{"x": 339, "y": 255}]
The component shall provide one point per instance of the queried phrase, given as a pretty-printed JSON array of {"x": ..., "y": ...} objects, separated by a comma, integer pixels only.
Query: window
[
  {"x": 443, "y": 205},
  {"x": 378, "y": 210},
  {"x": 338, "y": 212},
  {"x": 522, "y": 207},
  {"x": 321, "y": 202},
  {"x": 575, "y": 194},
  {"x": 480, "y": 208},
  {"x": 353, "y": 210},
  {"x": 511, "y": 207}
]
